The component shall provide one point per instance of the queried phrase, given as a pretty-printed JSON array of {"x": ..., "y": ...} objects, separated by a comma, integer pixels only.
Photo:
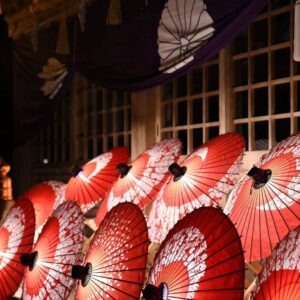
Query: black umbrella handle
[
  {"x": 177, "y": 171},
  {"x": 123, "y": 169},
  {"x": 260, "y": 176},
  {"x": 29, "y": 259},
  {"x": 76, "y": 170},
  {"x": 82, "y": 273},
  {"x": 152, "y": 292}
]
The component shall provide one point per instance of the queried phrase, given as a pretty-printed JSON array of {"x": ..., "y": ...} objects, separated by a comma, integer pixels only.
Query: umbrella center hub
[
  {"x": 177, "y": 171},
  {"x": 82, "y": 273},
  {"x": 260, "y": 176},
  {"x": 29, "y": 259},
  {"x": 151, "y": 292},
  {"x": 123, "y": 169},
  {"x": 76, "y": 170}
]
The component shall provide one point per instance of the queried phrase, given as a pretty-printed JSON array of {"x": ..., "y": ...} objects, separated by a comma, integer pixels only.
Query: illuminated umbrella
[
  {"x": 201, "y": 258},
  {"x": 204, "y": 178},
  {"x": 45, "y": 197},
  {"x": 58, "y": 248},
  {"x": 90, "y": 182},
  {"x": 280, "y": 278},
  {"x": 265, "y": 203},
  {"x": 140, "y": 181},
  {"x": 115, "y": 264},
  {"x": 16, "y": 237}
]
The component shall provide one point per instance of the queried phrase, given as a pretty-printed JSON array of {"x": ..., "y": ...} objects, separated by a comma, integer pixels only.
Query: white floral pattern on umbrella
[
  {"x": 201, "y": 258},
  {"x": 45, "y": 197},
  {"x": 117, "y": 256},
  {"x": 184, "y": 27},
  {"x": 16, "y": 237},
  {"x": 280, "y": 278},
  {"x": 209, "y": 175},
  {"x": 265, "y": 203},
  {"x": 144, "y": 177},
  {"x": 58, "y": 248}
]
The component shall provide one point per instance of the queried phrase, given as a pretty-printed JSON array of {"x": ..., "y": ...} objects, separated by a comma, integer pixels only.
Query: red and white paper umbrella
[
  {"x": 90, "y": 182},
  {"x": 58, "y": 248},
  {"x": 204, "y": 178},
  {"x": 280, "y": 278},
  {"x": 141, "y": 180},
  {"x": 115, "y": 264},
  {"x": 201, "y": 258},
  {"x": 265, "y": 204},
  {"x": 16, "y": 237},
  {"x": 45, "y": 197}
]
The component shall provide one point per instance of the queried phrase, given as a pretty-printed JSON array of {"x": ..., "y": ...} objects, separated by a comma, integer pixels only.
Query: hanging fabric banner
[{"x": 40, "y": 82}]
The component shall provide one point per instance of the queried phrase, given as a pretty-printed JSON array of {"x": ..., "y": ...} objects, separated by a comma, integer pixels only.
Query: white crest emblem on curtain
[
  {"x": 185, "y": 26},
  {"x": 53, "y": 73}
]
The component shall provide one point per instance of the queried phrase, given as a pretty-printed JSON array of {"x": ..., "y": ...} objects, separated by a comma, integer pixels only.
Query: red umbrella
[
  {"x": 280, "y": 278},
  {"x": 90, "y": 182},
  {"x": 49, "y": 264},
  {"x": 142, "y": 179},
  {"x": 265, "y": 204},
  {"x": 115, "y": 264},
  {"x": 201, "y": 258},
  {"x": 204, "y": 178},
  {"x": 45, "y": 197},
  {"x": 16, "y": 237}
]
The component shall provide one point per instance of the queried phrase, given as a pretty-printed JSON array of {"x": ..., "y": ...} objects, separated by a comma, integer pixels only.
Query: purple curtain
[
  {"x": 157, "y": 41},
  {"x": 127, "y": 56}
]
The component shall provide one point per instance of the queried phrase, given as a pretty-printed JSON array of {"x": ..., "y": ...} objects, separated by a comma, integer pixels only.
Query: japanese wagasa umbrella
[
  {"x": 16, "y": 237},
  {"x": 90, "y": 182},
  {"x": 114, "y": 267},
  {"x": 58, "y": 248},
  {"x": 280, "y": 277},
  {"x": 204, "y": 178},
  {"x": 45, "y": 197},
  {"x": 140, "y": 181},
  {"x": 265, "y": 203},
  {"x": 201, "y": 258}
]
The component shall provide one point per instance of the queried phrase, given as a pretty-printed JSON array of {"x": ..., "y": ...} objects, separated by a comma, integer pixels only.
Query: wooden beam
[{"x": 45, "y": 13}]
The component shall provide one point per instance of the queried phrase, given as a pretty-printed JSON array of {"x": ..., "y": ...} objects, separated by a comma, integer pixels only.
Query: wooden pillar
[
  {"x": 143, "y": 120},
  {"x": 226, "y": 103}
]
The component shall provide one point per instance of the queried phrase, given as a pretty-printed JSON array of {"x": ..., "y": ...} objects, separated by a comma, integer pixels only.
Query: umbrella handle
[
  {"x": 260, "y": 176},
  {"x": 177, "y": 171},
  {"x": 76, "y": 170},
  {"x": 123, "y": 169},
  {"x": 29, "y": 259},
  {"x": 82, "y": 273},
  {"x": 152, "y": 292}
]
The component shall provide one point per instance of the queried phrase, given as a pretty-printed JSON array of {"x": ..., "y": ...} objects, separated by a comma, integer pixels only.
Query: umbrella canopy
[
  {"x": 204, "y": 178},
  {"x": 45, "y": 197},
  {"x": 115, "y": 264},
  {"x": 265, "y": 202},
  {"x": 49, "y": 264},
  {"x": 280, "y": 278},
  {"x": 16, "y": 237},
  {"x": 201, "y": 258},
  {"x": 90, "y": 182},
  {"x": 140, "y": 181}
]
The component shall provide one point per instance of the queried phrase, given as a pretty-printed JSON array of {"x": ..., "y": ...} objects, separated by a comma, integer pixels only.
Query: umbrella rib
[
  {"x": 209, "y": 268},
  {"x": 59, "y": 282},
  {"x": 111, "y": 286},
  {"x": 97, "y": 292},
  {"x": 98, "y": 269},
  {"x": 178, "y": 274},
  {"x": 138, "y": 245}
]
